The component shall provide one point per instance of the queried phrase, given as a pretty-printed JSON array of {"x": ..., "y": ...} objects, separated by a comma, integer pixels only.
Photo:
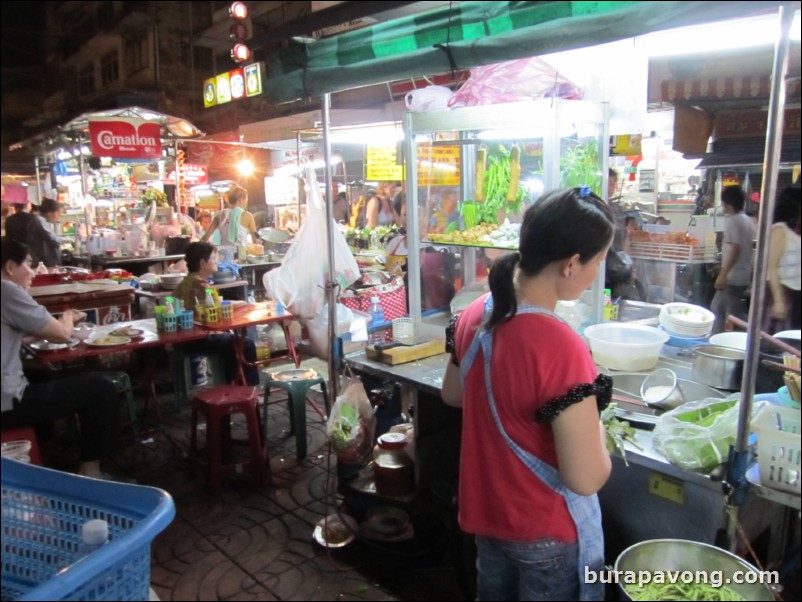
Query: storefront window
[
  {"x": 86, "y": 80},
  {"x": 109, "y": 68},
  {"x": 136, "y": 56}
]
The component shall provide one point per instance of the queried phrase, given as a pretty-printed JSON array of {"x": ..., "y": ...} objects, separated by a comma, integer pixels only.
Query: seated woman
[
  {"x": 91, "y": 396},
  {"x": 201, "y": 258}
]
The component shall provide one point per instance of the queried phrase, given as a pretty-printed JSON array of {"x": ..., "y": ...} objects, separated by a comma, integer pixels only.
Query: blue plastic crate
[{"x": 42, "y": 514}]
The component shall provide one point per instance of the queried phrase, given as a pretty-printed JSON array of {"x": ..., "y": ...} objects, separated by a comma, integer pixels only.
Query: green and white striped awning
[{"x": 469, "y": 34}]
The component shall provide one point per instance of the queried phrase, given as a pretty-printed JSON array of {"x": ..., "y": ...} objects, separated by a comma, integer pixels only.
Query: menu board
[
  {"x": 438, "y": 165},
  {"x": 382, "y": 164}
]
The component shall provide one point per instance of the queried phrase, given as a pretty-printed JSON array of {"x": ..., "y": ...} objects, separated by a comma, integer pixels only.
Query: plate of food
[
  {"x": 127, "y": 331},
  {"x": 44, "y": 345},
  {"x": 108, "y": 341},
  {"x": 335, "y": 531}
]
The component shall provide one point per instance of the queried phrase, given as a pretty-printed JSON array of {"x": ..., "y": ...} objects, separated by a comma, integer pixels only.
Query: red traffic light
[
  {"x": 240, "y": 53},
  {"x": 238, "y": 10},
  {"x": 238, "y": 31}
]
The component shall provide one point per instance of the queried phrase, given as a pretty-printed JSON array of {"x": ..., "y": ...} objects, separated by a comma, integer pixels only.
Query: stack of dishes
[{"x": 686, "y": 321}]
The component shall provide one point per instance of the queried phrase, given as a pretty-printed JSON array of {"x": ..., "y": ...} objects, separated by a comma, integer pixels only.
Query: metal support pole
[
  {"x": 39, "y": 194},
  {"x": 331, "y": 285},
  {"x": 738, "y": 459}
]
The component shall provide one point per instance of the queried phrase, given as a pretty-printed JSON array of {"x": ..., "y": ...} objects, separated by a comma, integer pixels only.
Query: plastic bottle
[
  {"x": 377, "y": 317},
  {"x": 209, "y": 298}
]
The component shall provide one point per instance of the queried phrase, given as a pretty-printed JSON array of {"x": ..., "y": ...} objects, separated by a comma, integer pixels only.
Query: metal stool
[
  {"x": 296, "y": 382},
  {"x": 217, "y": 404}
]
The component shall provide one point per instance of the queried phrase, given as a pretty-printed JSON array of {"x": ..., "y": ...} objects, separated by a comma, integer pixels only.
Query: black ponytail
[{"x": 502, "y": 287}]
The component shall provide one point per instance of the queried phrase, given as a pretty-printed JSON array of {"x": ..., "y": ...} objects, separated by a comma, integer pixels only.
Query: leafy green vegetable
[
  {"x": 346, "y": 422},
  {"x": 618, "y": 431},
  {"x": 682, "y": 591}
]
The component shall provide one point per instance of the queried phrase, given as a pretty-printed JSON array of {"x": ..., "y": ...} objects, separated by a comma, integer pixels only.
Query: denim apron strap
[{"x": 584, "y": 510}]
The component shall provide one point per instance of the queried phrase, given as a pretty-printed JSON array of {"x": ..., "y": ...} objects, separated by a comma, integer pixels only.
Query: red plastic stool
[
  {"x": 217, "y": 404},
  {"x": 24, "y": 432}
]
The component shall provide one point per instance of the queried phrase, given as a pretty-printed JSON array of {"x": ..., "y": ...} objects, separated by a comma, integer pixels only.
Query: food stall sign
[
  {"x": 438, "y": 165},
  {"x": 253, "y": 79},
  {"x": 209, "y": 92},
  {"x": 195, "y": 174},
  {"x": 125, "y": 138},
  {"x": 382, "y": 164},
  {"x": 236, "y": 78},
  {"x": 243, "y": 82}
]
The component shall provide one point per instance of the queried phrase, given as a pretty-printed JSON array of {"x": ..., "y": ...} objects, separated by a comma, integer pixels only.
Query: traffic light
[{"x": 238, "y": 32}]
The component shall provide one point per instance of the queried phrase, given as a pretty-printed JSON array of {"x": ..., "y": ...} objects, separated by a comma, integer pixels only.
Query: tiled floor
[{"x": 255, "y": 542}]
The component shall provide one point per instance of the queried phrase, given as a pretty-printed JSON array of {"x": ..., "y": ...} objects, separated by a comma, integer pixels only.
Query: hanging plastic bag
[
  {"x": 307, "y": 260},
  {"x": 428, "y": 99},
  {"x": 697, "y": 435},
  {"x": 351, "y": 425},
  {"x": 518, "y": 80}
]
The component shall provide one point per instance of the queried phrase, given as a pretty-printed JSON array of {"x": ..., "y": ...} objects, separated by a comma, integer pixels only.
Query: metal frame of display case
[{"x": 547, "y": 116}]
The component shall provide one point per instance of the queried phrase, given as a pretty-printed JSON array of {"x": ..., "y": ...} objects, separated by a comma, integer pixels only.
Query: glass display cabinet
[{"x": 471, "y": 173}]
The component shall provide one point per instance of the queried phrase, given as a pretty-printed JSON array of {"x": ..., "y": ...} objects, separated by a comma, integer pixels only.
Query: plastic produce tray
[
  {"x": 669, "y": 252},
  {"x": 779, "y": 452},
  {"x": 43, "y": 511}
]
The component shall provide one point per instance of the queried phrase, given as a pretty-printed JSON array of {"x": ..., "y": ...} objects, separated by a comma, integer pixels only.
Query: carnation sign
[{"x": 126, "y": 138}]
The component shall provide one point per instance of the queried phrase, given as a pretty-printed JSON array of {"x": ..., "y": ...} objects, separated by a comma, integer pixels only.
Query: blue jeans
[{"x": 537, "y": 570}]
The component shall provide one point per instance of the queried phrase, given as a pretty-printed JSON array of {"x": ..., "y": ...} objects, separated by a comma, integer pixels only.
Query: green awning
[{"x": 476, "y": 33}]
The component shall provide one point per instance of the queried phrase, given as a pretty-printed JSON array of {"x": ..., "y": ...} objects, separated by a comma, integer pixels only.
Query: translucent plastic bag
[
  {"x": 307, "y": 260},
  {"x": 428, "y": 99},
  {"x": 697, "y": 435},
  {"x": 518, "y": 80},
  {"x": 351, "y": 425}
]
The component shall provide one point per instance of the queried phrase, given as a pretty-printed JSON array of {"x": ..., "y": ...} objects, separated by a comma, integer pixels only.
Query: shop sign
[
  {"x": 124, "y": 138},
  {"x": 626, "y": 145},
  {"x": 438, "y": 165},
  {"x": 239, "y": 83},
  {"x": 382, "y": 164},
  {"x": 113, "y": 314},
  {"x": 195, "y": 174}
]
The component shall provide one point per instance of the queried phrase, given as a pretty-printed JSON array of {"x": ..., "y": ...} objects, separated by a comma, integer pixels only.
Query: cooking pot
[
  {"x": 719, "y": 367},
  {"x": 176, "y": 245}
]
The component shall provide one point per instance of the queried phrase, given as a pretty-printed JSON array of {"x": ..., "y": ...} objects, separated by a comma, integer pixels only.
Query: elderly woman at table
[
  {"x": 91, "y": 396},
  {"x": 201, "y": 258}
]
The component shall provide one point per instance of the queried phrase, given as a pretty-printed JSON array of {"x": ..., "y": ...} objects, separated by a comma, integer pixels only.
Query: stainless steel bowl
[{"x": 698, "y": 558}]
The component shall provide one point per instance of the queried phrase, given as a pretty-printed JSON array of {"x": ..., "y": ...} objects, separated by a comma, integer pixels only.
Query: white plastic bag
[
  {"x": 428, "y": 99},
  {"x": 307, "y": 260},
  {"x": 318, "y": 328}
]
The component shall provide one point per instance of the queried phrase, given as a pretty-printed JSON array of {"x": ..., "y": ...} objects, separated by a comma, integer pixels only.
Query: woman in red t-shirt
[{"x": 533, "y": 449}]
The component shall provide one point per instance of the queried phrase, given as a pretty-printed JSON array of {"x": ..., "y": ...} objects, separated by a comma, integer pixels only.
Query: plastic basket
[
  {"x": 43, "y": 512},
  {"x": 170, "y": 322},
  {"x": 779, "y": 451},
  {"x": 403, "y": 328},
  {"x": 211, "y": 314},
  {"x": 226, "y": 310},
  {"x": 185, "y": 319}
]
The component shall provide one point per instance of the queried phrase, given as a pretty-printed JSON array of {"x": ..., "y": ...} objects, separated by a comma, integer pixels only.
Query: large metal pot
[
  {"x": 719, "y": 367},
  {"x": 698, "y": 561}
]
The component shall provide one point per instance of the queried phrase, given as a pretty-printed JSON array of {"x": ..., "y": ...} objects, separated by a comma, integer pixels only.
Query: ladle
[{"x": 661, "y": 386}]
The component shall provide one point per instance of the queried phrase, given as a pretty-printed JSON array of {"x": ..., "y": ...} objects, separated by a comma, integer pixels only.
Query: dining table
[
  {"x": 101, "y": 342},
  {"x": 255, "y": 314}
]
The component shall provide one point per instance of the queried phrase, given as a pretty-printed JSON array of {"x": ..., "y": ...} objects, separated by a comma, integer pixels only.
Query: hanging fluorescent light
[
  {"x": 726, "y": 35},
  {"x": 292, "y": 170}
]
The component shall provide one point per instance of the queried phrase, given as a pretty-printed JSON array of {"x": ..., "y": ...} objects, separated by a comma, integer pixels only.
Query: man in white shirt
[{"x": 736, "y": 265}]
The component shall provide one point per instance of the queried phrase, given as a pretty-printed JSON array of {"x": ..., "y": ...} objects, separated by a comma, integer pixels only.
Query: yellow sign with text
[
  {"x": 382, "y": 164},
  {"x": 438, "y": 165}
]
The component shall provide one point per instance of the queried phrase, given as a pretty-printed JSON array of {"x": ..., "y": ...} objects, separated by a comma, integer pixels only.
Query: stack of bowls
[
  {"x": 171, "y": 281},
  {"x": 686, "y": 321}
]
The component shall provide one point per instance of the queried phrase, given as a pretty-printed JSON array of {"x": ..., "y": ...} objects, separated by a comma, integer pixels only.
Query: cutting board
[{"x": 404, "y": 354}]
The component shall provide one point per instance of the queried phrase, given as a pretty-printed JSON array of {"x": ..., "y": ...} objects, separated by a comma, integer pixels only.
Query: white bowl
[
  {"x": 687, "y": 314},
  {"x": 629, "y": 347},
  {"x": 83, "y": 331},
  {"x": 789, "y": 334},
  {"x": 733, "y": 340}
]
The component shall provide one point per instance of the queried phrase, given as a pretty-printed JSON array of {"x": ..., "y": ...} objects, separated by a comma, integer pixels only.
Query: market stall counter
[
  {"x": 136, "y": 265},
  {"x": 103, "y": 302},
  {"x": 647, "y": 497}
]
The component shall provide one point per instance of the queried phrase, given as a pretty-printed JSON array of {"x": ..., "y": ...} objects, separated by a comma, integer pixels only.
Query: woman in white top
[
  {"x": 379, "y": 210},
  {"x": 236, "y": 225},
  {"x": 782, "y": 308}
]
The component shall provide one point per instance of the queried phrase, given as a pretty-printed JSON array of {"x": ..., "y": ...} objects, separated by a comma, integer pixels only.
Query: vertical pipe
[
  {"x": 774, "y": 127},
  {"x": 82, "y": 165},
  {"x": 413, "y": 235},
  {"x": 299, "y": 172},
  {"x": 38, "y": 181},
  {"x": 331, "y": 285}
]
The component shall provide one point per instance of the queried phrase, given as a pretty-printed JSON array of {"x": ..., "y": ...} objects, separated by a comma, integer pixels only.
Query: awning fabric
[
  {"x": 170, "y": 127},
  {"x": 469, "y": 34}
]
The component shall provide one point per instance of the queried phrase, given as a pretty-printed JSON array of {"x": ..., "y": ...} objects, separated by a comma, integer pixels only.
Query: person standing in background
[
  {"x": 533, "y": 451},
  {"x": 379, "y": 210},
  {"x": 736, "y": 265},
  {"x": 44, "y": 245},
  {"x": 342, "y": 208},
  {"x": 236, "y": 225},
  {"x": 19, "y": 223},
  {"x": 784, "y": 276}
]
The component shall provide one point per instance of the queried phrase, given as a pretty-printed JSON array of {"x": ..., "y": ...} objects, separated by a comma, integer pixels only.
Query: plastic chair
[
  {"x": 296, "y": 382},
  {"x": 181, "y": 370},
  {"x": 217, "y": 404}
]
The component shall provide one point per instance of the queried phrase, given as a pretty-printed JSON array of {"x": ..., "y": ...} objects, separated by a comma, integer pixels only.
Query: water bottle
[
  {"x": 377, "y": 317},
  {"x": 209, "y": 298}
]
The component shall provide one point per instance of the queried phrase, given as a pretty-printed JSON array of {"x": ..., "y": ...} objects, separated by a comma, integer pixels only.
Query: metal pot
[{"x": 719, "y": 367}]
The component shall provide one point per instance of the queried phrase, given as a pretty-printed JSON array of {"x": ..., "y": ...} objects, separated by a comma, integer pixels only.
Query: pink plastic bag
[{"x": 512, "y": 81}]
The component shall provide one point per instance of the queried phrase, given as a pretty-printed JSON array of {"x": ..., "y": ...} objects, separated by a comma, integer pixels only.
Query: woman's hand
[
  {"x": 77, "y": 316},
  {"x": 778, "y": 309}
]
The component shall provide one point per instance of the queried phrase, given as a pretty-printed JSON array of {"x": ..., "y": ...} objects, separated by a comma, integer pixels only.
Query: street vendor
[{"x": 201, "y": 258}]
